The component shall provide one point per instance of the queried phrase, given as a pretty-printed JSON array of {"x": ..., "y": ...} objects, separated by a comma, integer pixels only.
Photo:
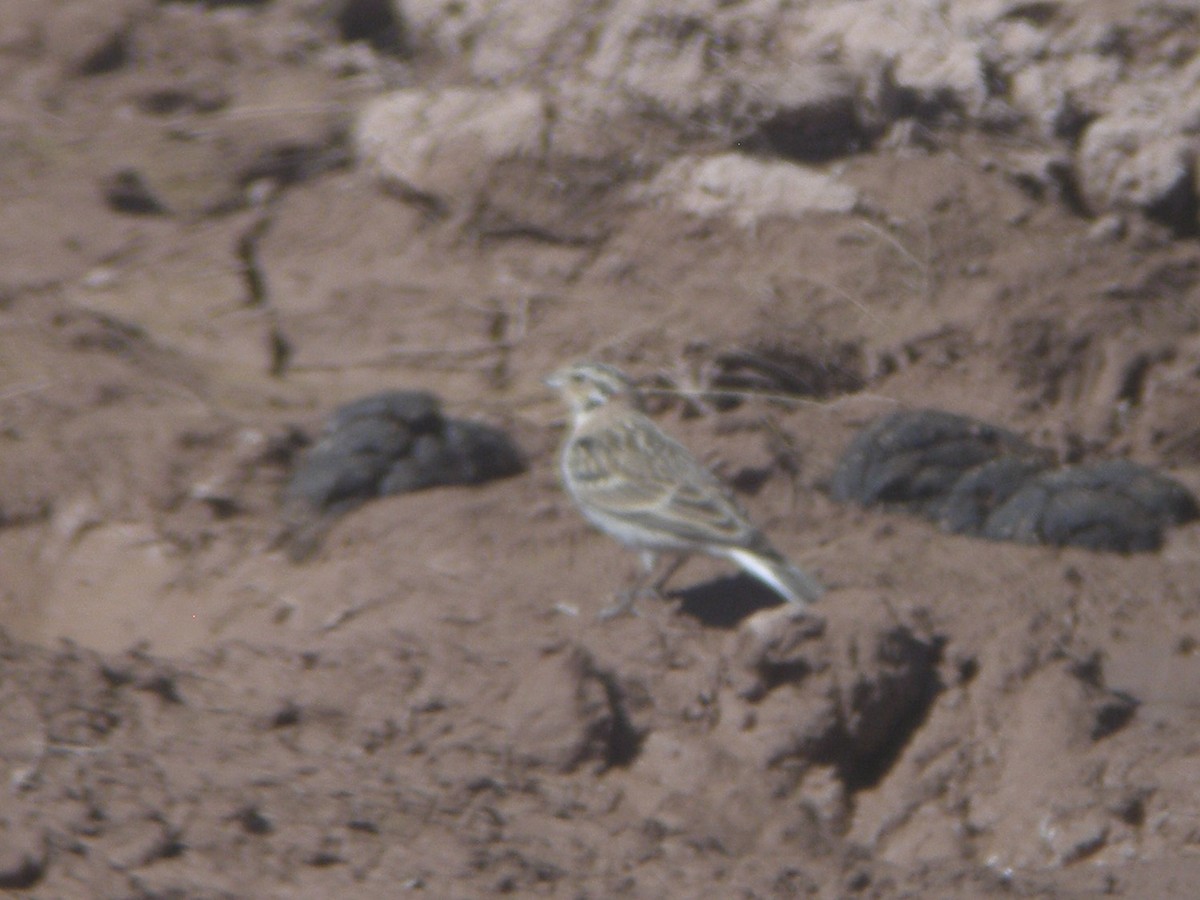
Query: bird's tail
[{"x": 777, "y": 573}]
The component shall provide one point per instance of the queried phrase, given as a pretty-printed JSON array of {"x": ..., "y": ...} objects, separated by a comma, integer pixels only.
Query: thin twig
[
  {"x": 922, "y": 266},
  {"x": 700, "y": 394},
  {"x": 352, "y": 612},
  {"x": 841, "y": 294},
  {"x": 467, "y": 351},
  {"x": 21, "y": 390}
]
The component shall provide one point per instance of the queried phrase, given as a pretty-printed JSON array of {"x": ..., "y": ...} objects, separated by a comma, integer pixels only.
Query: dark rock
[
  {"x": 974, "y": 478},
  {"x": 417, "y": 409},
  {"x": 915, "y": 458},
  {"x": 978, "y": 493},
  {"x": 1115, "y": 505},
  {"x": 395, "y": 442},
  {"x": 475, "y": 453}
]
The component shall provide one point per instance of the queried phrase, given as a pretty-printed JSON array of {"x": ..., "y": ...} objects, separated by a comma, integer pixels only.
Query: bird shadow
[{"x": 724, "y": 602}]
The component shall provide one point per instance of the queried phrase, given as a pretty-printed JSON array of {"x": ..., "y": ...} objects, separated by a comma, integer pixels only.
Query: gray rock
[
  {"x": 747, "y": 190},
  {"x": 395, "y": 442},
  {"x": 975, "y": 496},
  {"x": 1127, "y": 162},
  {"x": 442, "y": 145},
  {"x": 914, "y": 458},
  {"x": 973, "y": 478},
  {"x": 1115, "y": 505}
]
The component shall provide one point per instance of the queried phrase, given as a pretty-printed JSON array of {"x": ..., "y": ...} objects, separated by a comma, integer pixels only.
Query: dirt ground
[{"x": 207, "y": 243}]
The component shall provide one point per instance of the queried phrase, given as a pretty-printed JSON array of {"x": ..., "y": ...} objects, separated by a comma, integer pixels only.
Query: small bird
[{"x": 645, "y": 489}]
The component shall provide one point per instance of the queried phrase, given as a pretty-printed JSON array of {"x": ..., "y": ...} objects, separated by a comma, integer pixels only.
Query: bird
[{"x": 637, "y": 484}]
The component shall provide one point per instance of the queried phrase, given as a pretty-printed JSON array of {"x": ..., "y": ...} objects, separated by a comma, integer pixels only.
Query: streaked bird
[{"x": 645, "y": 489}]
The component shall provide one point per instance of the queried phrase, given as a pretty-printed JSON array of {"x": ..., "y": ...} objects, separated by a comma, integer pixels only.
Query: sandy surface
[{"x": 219, "y": 221}]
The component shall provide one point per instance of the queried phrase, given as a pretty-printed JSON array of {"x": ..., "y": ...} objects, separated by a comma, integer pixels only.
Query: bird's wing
[{"x": 633, "y": 471}]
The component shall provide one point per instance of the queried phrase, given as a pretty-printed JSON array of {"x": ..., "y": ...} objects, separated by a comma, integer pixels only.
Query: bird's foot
[{"x": 625, "y": 605}]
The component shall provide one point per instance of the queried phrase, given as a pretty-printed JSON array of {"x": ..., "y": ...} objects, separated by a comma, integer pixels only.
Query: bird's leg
[
  {"x": 643, "y": 586},
  {"x": 648, "y": 559},
  {"x": 670, "y": 569},
  {"x": 622, "y": 607},
  {"x": 626, "y": 598}
]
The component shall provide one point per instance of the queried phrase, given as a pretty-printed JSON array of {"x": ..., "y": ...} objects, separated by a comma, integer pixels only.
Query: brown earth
[{"x": 199, "y": 263}]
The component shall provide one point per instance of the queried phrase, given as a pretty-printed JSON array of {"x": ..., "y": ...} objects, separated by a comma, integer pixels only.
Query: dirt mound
[{"x": 223, "y": 221}]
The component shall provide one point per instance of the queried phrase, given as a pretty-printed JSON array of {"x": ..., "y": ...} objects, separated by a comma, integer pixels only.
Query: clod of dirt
[
  {"x": 787, "y": 370},
  {"x": 564, "y": 712},
  {"x": 377, "y": 22},
  {"x": 89, "y": 39},
  {"x": 772, "y": 648},
  {"x": 107, "y": 56},
  {"x": 128, "y": 192},
  {"x": 287, "y": 163},
  {"x": 22, "y": 859},
  {"x": 1121, "y": 166},
  {"x": 888, "y": 680},
  {"x": 838, "y": 692},
  {"x": 973, "y": 478},
  {"x": 812, "y": 119},
  {"x": 748, "y": 190},
  {"x": 183, "y": 98},
  {"x": 441, "y": 146}
]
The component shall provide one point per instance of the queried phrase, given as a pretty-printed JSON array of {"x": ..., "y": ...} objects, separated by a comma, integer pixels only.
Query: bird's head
[{"x": 588, "y": 386}]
